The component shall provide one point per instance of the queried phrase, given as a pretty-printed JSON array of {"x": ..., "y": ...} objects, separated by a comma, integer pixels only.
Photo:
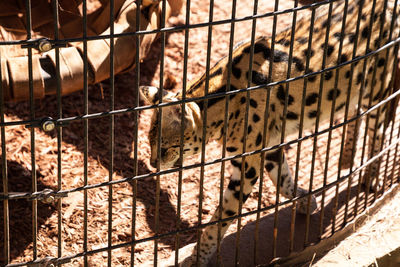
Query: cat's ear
[{"x": 150, "y": 94}]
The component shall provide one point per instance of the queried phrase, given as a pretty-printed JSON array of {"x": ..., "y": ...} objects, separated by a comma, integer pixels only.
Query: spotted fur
[{"x": 373, "y": 84}]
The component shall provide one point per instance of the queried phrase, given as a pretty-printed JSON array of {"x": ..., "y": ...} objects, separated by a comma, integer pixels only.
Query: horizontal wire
[
  {"x": 175, "y": 28},
  {"x": 197, "y": 165},
  {"x": 67, "y": 120},
  {"x": 171, "y": 233}
]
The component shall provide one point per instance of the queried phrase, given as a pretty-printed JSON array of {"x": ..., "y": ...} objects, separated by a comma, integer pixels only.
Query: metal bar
[
  {"x": 112, "y": 135},
  {"x": 58, "y": 129},
  {"x": 274, "y": 23},
  {"x": 135, "y": 137},
  {"x": 366, "y": 125},
  {"x": 342, "y": 33},
  {"x": 121, "y": 245},
  {"x": 382, "y": 97},
  {"x": 181, "y": 144},
  {"x": 346, "y": 114},
  {"x": 204, "y": 132},
  {"x": 85, "y": 133},
  {"x": 128, "y": 179},
  {"x": 32, "y": 117},
  {"x": 4, "y": 174},
  {"x": 157, "y": 201},
  {"x": 64, "y": 121},
  {"x": 181, "y": 28}
]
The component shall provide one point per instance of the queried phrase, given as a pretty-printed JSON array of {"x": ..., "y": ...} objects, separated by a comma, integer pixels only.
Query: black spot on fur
[
  {"x": 299, "y": 63},
  {"x": 273, "y": 156},
  {"x": 233, "y": 184},
  {"x": 235, "y": 163},
  {"x": 328, "y": 75},
  {"x": 251, "y": 173},
  {"x": 331, "y": 94},
  {"x": 311, "y": 78},
  {"x": 281, "y": 95},
  {"x": 381, "y": 62},
  {"x": 253, "y": 103},
  {"x": 231, "y": 149},
  {"x": 280, "y": 56},
  {"x": 258, "y": 139},
  {"x": 249, "y": 129},
  {"x": 312, "y": 114},
  {"x": 216, "y": 73},
  {"x": 254, "y": 181},
  {"x": 305, "y": 52},
  {"x": 329, "y": 49},
  {"x": 347, "y": 74},
  {"x": 242, "y": 100},
  {"x": 292, "y": 116},
  {"x": 230, "y": 212},
  {"x": 338, "y": 35},
  {"x": 258, "y": 78},
  {"x": 343, "y": 58},
  {"x": 359, "y": 78},
  {"x": 302, "y": 40},
  {"x": 311, "y": 99},
  {"x": 272, "y": 107},
  {"x": 256, "y": 118},
  {"x": 365, "y": 32},
  {"x": 213, "y": 101},
  {"x": 284, "y": 42},
  {"x": 244, "y": 196},
  {"x": 259, "y": 47},
  {"x": 237, "y": 72},
  {"x": 269, "y": 166},
  {"x": 271, "y": 124},
  {"x": 352, "y": 37},
  {"x": 237, "y": 113},
  {"x": 224, "y": 224},
  {"x": 340, "y": 106}
]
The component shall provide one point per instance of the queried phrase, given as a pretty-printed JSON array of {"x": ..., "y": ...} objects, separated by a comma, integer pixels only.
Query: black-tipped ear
[{"x": 150, "y": 94}]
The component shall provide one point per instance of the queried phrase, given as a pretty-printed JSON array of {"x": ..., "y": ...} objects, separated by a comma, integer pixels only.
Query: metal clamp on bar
[
  {"x": 47, "y": 195},
  {"x": 47, "y": 124},
  {"x": 42, "y": 44},
  {"x": 48, "y": 262}
]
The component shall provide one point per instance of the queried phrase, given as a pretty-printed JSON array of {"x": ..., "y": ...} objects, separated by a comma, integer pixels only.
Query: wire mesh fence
[{"x": 110, "y": 190}]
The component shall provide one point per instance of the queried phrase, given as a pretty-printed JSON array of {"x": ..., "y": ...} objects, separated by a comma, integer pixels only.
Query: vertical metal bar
[
  {"x": 6, "y": 222},
  {"x": 300, "y": 134},
  {"x": 382, "y": 98},
  {"x": 85, "y": 133},
  {"x": 370, "y": 153},
  {"x": 135, "y": 137},
  {"x": 58, "y": 129},
  {"x": 253, "y": 37},
  {"x": 32, "y": 117},
  {"x": 204, "y": 132},
  {"x": 181, "y": 144},
  {"x": 224, "y": 137},
  {"x": 275, "y": 19},
  {"x": 346, "y": 114},
  {"x": 337, "y": 72},
  {"x": 111, "y": 137},
  {"x": 317, "y": 120},
  {"x": 367, "y": 120},
  {"x": 395, "y": 62},
  {"x": 157, "y": 202}
]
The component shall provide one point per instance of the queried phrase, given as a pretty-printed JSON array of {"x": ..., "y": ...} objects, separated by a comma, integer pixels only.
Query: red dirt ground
[{"x": 19, "y": 157}]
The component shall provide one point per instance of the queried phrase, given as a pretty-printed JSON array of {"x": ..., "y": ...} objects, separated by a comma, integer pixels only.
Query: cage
[{"x": 77, "y": 184}]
